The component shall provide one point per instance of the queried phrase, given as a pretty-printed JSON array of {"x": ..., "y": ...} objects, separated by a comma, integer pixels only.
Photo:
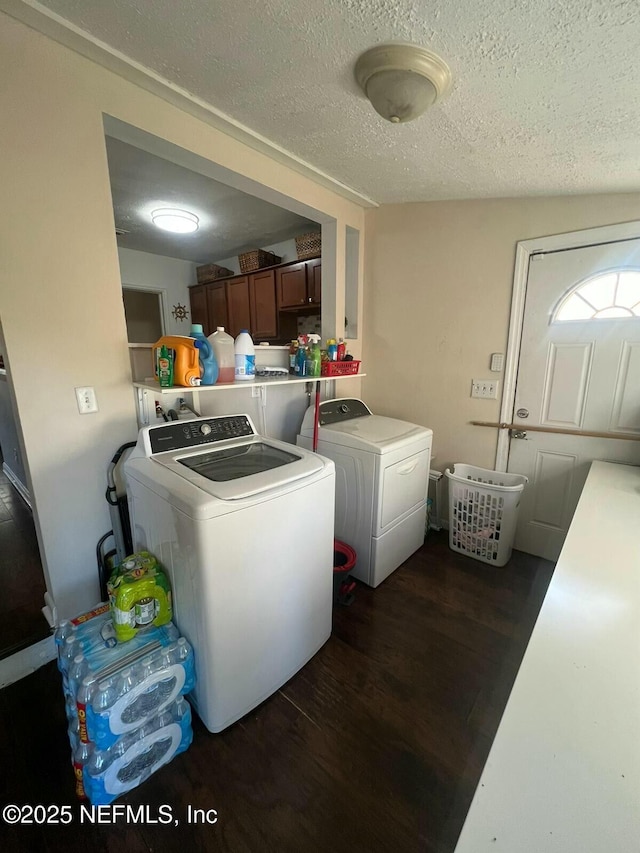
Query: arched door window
[{"x": 606, "y": 296}]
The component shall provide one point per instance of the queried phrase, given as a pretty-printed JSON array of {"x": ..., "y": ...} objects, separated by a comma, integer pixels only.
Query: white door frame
[{"x": 525, "y": 249}]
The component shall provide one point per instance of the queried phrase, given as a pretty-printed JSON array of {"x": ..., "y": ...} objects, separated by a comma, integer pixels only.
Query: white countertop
[{"x": 563, "y": 774}]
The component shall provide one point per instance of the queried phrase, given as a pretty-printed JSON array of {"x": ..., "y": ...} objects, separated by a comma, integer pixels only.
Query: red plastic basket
[{"x": 340, "y": 368}]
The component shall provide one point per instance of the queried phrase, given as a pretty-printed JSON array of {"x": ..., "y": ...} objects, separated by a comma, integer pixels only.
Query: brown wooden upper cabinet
[
  {"x": 198, "y": 302},
  {"x": 217, "y": 313},
  {"x": 243, "y": 302},
  {"x": 299, "y": 285},
  {"x": 262, "y": 304},
  {"x": 253, "y": 301},
  {"x": 238, "y": 305}
]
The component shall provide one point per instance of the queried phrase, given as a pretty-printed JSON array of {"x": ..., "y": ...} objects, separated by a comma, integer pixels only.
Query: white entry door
[{"x": 579, "y": 369}]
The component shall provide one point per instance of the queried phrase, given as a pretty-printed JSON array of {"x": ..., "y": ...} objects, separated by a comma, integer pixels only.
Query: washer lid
[
  {"x": 234, "y": 463},
  {"x": 238, "y": 470},
  {"x": 374, "y": 433}
]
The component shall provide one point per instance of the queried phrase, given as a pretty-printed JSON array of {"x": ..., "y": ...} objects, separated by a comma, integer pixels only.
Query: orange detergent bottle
[{"x": 186, "y": 359}]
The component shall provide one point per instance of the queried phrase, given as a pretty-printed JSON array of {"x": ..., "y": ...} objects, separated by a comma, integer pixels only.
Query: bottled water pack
[
  {"x": 118, "y": 687},
  {"x": 108, "y": 773},
  {"x": 125, "y": 706}
]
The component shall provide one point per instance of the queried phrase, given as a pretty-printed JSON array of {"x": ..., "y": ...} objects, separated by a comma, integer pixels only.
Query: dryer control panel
[
  {"x": 336, "y": 411},
  {"x": 178, "y": 435}
]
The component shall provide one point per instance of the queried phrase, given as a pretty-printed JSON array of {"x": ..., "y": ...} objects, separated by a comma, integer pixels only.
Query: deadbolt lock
[
  {"x": 518, "y": 433},
  {"x": 522, "y": 413}
]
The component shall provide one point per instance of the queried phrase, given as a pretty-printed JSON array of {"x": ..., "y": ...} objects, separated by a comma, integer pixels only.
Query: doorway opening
[{"x": 22, "y": 622}]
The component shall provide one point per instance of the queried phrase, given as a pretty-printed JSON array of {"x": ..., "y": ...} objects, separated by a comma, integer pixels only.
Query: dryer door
[{"x": 402, "y": 487}]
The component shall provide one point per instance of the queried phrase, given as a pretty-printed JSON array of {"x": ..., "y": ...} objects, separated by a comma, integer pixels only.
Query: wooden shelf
[{"x": 263, "y": 380}]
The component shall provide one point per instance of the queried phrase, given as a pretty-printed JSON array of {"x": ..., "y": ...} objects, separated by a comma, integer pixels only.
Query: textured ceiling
[
  {"x": 546, "y": 95},
  {"x": 230, "y": 221}
]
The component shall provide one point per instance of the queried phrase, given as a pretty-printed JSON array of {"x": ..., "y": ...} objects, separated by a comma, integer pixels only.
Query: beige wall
[
  {"x": 438, "y": 280},
  {"x": 60, "y": 298}
]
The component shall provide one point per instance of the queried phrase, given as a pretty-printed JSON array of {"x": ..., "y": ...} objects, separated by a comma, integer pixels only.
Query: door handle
[
  {"x": 518, "y": 433},
  {"x": 409, "y": 469}
]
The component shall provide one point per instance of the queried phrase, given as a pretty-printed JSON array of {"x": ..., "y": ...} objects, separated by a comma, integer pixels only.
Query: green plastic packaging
[{"x": 139, "y": 595}]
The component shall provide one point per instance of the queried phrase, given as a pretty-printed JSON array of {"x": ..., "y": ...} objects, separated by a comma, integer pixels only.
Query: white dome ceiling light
[
  {"x": 402, "y": 80},
  {"x": 178, "y": 221}
]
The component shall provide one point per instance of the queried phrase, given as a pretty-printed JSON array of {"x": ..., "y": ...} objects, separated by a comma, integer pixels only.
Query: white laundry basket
[{"x": 483, "y": 512}]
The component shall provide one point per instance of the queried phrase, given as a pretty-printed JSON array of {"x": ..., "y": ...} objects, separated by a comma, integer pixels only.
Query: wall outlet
[
  {"x": 87, "y": 402},
  {"x": 486, "y": 389}
]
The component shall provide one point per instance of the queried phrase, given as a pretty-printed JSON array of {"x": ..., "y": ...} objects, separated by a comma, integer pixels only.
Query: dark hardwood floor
[
  {"x": 376, "y": 745},
  {"x": 22, "y": 586}
]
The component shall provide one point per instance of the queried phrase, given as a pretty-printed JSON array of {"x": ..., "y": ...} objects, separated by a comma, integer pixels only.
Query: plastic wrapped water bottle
[
  {"x": 126, "y": 682},
  {"x": 80, "y": 758},
  {"x": 67, "y": 651},
  {"x": 78, "y": 670},
  {"x": 65, "y": 629},
  {"x": 105, "y": 695}
]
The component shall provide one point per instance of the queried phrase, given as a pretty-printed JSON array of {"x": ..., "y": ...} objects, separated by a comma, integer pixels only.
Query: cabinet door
[
  {"x": 216, "y": 307},
  {"x": 198, "y": 304},
  {"x": 314, "y": 281},
  {"x": 292, "y": 286},
  {"x": 264, "y": 313},
  {"x": 238, "y": 305}
]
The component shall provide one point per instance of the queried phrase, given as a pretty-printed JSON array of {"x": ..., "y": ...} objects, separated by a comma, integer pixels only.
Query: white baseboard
[
  {"x": 20, "y": 486},
  {"x": 25, "y": 662}
]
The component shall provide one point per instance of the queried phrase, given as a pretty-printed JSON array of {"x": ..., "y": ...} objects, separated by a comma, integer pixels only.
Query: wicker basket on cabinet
[
  {"x": 309, "y": 246},
  {"x": 256, "y": 259},
  {"x": 210, "y": 272}
]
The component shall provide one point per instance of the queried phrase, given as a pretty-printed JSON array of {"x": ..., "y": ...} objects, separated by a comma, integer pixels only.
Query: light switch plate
[
  {"x": 485, "y": 389},
  {"x": 87, "y": 402}
]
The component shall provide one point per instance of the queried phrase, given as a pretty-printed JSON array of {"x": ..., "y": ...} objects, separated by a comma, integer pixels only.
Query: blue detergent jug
[{"x": 208, "y": 363}]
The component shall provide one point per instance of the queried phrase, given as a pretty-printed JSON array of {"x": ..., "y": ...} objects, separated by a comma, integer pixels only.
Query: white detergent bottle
[
  {"x": 224, "y": 349},
  {"x": 245, "y": 357}
]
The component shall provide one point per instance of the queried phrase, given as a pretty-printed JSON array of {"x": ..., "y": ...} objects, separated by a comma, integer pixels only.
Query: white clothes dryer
[
  {"x": 243, "y": 525},
  {"x": 382, "y": 476}
]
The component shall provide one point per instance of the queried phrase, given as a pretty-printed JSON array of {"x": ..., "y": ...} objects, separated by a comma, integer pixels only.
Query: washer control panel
[
  {"x": 178, "y": 435},
  {"x": 336, "y": 411}
]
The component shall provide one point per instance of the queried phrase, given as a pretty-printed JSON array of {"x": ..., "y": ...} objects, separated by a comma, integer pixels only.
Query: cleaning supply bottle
[
  {"x": 332, "y": 349},
  {"x": 314, "y": 358},
  {"x": 224, "y": 350},
  {"x": 165, "y": 367},
  {"x": 342, "y": 348},
  {"x": 245, "y": 357},
  {"x": 208, "y": 363},
  {"x": 301, "y": 356},
  {"x": 293, "y": 349}
]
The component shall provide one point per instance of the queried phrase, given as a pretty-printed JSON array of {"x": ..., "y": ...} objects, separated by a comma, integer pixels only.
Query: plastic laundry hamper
[{"x": 483, "y": 512}]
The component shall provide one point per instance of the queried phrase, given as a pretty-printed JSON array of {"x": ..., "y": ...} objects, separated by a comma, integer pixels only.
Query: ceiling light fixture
[
  {"x": 402, "y": 80},
  {"x": 178, "y": 221}
]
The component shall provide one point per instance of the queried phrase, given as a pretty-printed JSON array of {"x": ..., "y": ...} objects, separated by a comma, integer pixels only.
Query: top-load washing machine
[
  {"x": 243, "y": 525},
  {"x": 382, "y": 476}
]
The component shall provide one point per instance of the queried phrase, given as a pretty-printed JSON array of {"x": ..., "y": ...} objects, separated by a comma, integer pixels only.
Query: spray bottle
[
  {"x": 165, "y": 367},
  {"x": 301, "y": 356},
  {"x": 314, "y": 357}
]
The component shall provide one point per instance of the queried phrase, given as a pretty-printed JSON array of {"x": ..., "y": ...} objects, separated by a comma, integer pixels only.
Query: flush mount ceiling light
[
  {"x": 402, "y": 80},
  {"x": 178, "y": 221}
]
